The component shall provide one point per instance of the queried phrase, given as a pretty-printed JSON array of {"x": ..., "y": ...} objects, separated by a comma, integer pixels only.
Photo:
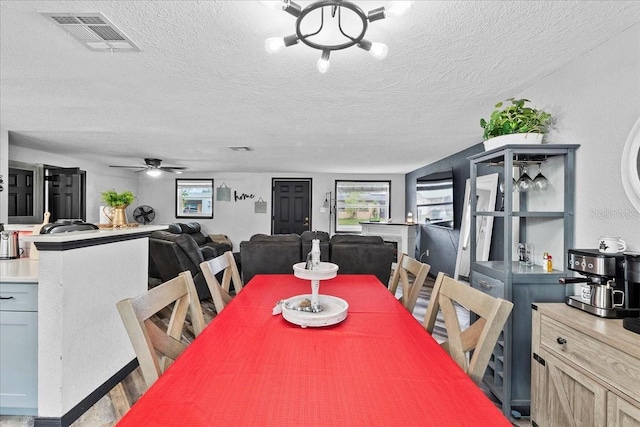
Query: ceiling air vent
[{"x": 93, "y": 30}]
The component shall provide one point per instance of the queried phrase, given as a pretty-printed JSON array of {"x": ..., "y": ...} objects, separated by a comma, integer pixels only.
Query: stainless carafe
[
  {"x": 9, "y": 246},
  {"x": 602, "y": 296}
]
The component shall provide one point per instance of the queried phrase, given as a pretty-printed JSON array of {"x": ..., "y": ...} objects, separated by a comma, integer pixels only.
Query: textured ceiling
[{"x": 203, "y": 82}]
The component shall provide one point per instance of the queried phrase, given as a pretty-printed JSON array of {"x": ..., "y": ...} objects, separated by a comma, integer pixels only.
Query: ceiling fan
[{"x": 153, "y": 168}]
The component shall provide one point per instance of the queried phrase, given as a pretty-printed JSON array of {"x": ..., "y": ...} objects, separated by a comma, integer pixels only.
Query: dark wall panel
[{"x": 442, "y": 243}]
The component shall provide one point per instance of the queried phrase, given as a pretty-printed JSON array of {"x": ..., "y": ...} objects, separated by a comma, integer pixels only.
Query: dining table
[{"x": 377, "y": 367}]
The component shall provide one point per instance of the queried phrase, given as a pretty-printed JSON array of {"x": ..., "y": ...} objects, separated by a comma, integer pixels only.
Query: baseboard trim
[{"x": 76, "y": 412}]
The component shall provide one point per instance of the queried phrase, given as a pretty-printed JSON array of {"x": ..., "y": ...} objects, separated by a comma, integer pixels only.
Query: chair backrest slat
[
  {"x": 220, "y": 291},
  {"x": 410, "y": 290},
  {"x": 481, "y": 336},
  {"x": 149, "y": 340}
]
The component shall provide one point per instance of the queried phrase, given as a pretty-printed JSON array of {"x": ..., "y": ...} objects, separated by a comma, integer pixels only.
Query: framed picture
[{"x": 194, "y": 198}]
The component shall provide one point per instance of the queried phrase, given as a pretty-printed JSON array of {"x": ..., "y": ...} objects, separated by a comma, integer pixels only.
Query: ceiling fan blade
[
  {"x": 172, "y": 168},
  {"x": 128, "y": 167}
]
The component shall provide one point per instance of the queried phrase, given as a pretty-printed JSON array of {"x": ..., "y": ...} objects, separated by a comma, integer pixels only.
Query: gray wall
[{"x": 441, "y": 242}]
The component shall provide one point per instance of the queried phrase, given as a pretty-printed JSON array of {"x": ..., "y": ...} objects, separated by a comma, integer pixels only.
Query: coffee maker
[{"x": 606, "y": 293}]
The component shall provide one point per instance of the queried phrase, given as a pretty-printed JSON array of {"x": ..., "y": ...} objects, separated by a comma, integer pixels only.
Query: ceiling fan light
[
  {"x": 398, "y": 7},
  {"x": 154, "y": 172}
]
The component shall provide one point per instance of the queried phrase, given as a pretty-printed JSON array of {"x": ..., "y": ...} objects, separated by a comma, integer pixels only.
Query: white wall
[
  {"x": 99, "y": 177},
  {"x": 597, "y": 101},
  {"x": 237, "y": 219}
]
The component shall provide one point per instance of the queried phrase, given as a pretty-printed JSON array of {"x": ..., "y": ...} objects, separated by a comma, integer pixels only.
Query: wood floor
[{"x": 108, "y": 410}]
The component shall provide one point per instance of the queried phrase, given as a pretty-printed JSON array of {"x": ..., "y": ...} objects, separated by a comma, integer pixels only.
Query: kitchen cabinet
[
  {"x": 18, "y": 348},
  {"x": 544, "y": 218},
  {"x": 585, "y": 369}
]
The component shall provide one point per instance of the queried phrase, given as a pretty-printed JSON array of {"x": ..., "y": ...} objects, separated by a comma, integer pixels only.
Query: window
[
  {"x": 358, "y": 201},
  {"x": 194, "y": 198},
  {"x": 434, "y": 197}
]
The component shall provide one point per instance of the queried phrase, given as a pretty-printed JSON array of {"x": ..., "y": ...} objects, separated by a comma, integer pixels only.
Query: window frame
[
  {"x": 357, "y": 228},
  {"x": 184, "y": 183}
]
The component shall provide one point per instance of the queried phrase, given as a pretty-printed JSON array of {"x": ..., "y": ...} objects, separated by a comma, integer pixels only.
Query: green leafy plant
[
  {"x": 112, "y": 198},
  {"x": 516, "y": 118}
]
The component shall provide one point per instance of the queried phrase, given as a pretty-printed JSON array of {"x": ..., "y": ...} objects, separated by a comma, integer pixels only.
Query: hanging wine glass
[
  {"x": 524, "y": 183},
  {"x": 540, "y": 182}
]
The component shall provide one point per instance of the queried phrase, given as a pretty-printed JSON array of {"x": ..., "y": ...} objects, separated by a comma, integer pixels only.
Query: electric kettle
[{"x": 9, "y": 246}]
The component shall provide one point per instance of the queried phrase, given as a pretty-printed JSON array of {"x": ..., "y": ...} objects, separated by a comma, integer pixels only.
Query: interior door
[
  {"x": 21, "y": 192},
  {"x": 66, "y": 193},
  {"x": 291, "y": 206}
]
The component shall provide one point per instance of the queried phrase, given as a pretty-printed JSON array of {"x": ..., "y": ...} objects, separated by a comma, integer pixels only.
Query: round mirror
[{"x": 631, "y": 166}]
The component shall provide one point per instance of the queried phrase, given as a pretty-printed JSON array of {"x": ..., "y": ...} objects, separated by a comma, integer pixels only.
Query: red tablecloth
[{"x": 379, "y": 367}]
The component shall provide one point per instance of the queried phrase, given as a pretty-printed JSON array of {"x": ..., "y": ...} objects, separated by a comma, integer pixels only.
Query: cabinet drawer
[
  {"x": 616, "y": 368},
  {"x": 488, "y": 285},
  {"x": 18, "y": 297}
]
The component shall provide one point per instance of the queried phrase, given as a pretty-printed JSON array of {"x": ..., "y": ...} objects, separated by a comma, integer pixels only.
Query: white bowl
[
  {"x": 334, "y": 310},
  {"x": 326, "y": 270}
]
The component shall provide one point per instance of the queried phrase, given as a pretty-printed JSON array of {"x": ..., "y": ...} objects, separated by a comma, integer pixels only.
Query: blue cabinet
[
  {"x": 18, "y": 348},
  {"x": 542, "y": 218}
]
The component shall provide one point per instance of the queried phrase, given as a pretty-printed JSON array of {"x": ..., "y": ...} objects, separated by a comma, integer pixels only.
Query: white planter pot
[{"x": 514, "y": 138}]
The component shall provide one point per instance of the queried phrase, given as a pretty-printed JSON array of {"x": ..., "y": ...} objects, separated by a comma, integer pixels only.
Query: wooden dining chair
[
  {"x": 481, "y": 336},
  {"x": 220, "y": 292},
  {"x": 410, "y": 289},
  {"x": 157, "y": 349}
]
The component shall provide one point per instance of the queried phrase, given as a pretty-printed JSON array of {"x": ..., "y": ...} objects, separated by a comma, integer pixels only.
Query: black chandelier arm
[
  {"x": 299, "y": 21},
  {"x": 354, "y": 40}
]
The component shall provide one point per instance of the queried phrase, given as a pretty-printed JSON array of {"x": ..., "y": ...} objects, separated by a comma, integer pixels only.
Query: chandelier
[{"x": 350, "y": 21}]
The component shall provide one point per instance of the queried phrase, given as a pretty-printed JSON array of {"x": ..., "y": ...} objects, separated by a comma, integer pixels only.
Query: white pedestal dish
[{"x": 331, "y": 310}]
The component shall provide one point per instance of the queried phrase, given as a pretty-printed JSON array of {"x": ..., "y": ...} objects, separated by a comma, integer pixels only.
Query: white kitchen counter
[
  {"x": 102, "y": 233},
  {"x": 21, "y": 270},
  {"x": 81, "y": 342}
]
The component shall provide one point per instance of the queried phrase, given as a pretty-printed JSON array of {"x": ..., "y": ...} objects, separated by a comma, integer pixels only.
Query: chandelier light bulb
[
  {"x": 154, "y": 172},
  {"x": 323, "y": 62},
  {"x": 398, "y": 8},
  {"x": 379, "y": 50},
  {"x": 274, "y": 44}
]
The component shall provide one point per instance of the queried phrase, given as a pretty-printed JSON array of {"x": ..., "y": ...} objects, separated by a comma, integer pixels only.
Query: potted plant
[
  {"x": 118, "y": 202},
  {"x": 515, "y": 124},
  {"x": 114, "y": 199}
]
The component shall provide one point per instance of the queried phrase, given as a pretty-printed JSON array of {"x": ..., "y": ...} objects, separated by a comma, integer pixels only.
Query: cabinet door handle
[
  {"x": 561, "y": 340},
  {"x": 6, "y": 297},
  {"x": 485, "y": 285}
]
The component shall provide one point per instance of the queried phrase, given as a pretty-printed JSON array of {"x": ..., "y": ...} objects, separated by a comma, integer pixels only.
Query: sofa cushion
[
  {"x": 363, "y": 255},
  {"x": 194, "y": 230},
  {"x": 356, "y": 239},
  {"x": 269, "y": 254},
  {"x": 174, "y": 253},
  {"x": 275, "y": 238}
]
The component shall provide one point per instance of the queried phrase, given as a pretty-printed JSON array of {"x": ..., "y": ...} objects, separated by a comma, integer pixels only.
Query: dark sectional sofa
[
  {"x": 183, "y": 247},
  {"x": 354, "y": 254}
]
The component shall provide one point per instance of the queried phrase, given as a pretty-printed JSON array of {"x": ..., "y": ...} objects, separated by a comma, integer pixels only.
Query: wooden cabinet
[
  {"x": 18, "y": 349},
  {"x": 585, "y": 370},
  {"x": 544, "y": 218}
]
